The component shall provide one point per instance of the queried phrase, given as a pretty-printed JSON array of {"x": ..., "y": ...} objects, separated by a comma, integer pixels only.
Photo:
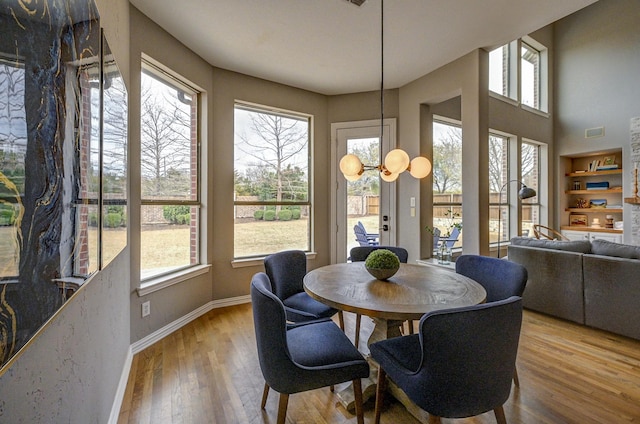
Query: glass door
[{"x": 366, "y": 201}]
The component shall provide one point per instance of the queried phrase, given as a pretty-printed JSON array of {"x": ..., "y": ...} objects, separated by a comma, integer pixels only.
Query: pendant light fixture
[{"x": 397, "y": 160}]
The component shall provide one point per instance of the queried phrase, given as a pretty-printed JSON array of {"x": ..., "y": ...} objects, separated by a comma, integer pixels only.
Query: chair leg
[
  {"x": 282, "y": 408},
  {"x": 357, "y": 394},
  {"x": 341, "y": 320},
  {"x": 500, "y": 418},
  {"x": 516, "y": 381},
  {"x": 358, "y": 320},
  {"x": 382, "y": 379},
  {"x": 265, "y": 394}
]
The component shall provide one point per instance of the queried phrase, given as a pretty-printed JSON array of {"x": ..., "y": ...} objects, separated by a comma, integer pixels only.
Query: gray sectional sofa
[{"x": 594, "y": 283}]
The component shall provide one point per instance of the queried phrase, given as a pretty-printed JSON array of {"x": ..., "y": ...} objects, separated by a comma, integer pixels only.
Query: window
[
  {"x": 505, "y": 217},
  {"x": 13, "y": 147},
  {"x": 499, "y": 70},
  {"x": 530, "y": 73},
  {"x": 271, "y": 179},
  {"x": 530, "y": 76},
  {"x": 170, "y": 173},
  {"x": 447, "y": 177},
  {"x": 498, "y": 176},
  {"x": 530, "y": 175}
]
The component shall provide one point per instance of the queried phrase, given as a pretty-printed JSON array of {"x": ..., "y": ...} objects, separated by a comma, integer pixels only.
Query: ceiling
[{"x": 333, "y": 46}]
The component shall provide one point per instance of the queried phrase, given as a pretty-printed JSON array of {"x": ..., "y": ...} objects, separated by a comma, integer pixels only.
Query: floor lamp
[{"x": 524, "y": 193}]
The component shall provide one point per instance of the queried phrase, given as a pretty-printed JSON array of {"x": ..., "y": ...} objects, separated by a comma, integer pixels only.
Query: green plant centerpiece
[{"x": 382, "y": 263}]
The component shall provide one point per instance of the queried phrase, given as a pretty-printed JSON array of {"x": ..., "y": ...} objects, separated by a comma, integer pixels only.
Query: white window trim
[{"x": 154, "y": 284}]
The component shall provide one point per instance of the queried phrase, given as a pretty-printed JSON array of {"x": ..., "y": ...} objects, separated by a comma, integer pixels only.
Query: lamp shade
[
  {"x": 420, "y": 167},
  {"x": 350, "y": 165},
  {"x": 526, "y": 192},
  {"x": 390, "y": 177},
  {"x": 352, "y": 178},
  {"x": 396, "y": 161}
]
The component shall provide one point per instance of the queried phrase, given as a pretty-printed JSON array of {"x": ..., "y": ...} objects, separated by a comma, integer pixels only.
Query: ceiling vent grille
[{"x": 357, "y": 2}]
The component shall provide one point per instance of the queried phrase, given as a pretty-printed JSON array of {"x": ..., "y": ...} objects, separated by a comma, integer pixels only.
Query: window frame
[
  {"x": 157, "y": 280},
  {"x": 252, "y": 259}
]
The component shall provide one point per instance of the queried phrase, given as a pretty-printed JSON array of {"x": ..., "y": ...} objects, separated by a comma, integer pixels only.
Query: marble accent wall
[{"x": 53, "y": 76}]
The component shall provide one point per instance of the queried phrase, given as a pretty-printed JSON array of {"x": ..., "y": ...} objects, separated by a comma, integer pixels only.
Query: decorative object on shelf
[
  {"x": 598, "y": 185},
  {"x": 608, "y": 223},
  {"x": 577, "y": 185},
  {"x": 578, "y": 220},
  {"x": 582, "y": 203},
  {"x": 524, "y": 193},
  {"x": 396, "y": 161},
  {"x": 382, "y": 264},
  {"x": 598, "y": 203},
  {"x": 595, "y": 223}
]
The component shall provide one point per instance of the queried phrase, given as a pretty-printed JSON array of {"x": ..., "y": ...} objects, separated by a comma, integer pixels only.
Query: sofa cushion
[
  {"x": 609, "y": 248},
  {"x": 580, "y": 246}
]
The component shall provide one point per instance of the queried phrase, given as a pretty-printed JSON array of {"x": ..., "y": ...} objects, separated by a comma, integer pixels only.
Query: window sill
[
  {"x": 243, "y": 263},
  {"x": 165, "y": 281}
]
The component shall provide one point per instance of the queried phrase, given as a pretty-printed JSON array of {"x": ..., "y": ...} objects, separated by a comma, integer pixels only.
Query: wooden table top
[{"x": 410, "y": 293}]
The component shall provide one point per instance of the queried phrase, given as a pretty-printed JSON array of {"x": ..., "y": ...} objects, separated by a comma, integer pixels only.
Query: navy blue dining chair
[
  {"x": 500, "y": 278},
  {"x": 286, "y": 271},
  {"x": 459, "y": 364},
  {"x": 299, "y": 357}
]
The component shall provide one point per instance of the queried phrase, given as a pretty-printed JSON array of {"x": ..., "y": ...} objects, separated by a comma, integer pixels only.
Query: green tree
[{"x": 447, "y": 154}]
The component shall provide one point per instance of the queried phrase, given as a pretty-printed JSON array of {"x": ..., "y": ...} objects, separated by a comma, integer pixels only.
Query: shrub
[
  {"x": 258, "y": 215},
  {"x": 295, "y": 214},
  {"x": 284, "y": 215},
  {"x": 93, "y": 219},
  {"x": 112, "y": 220},
  {"x": 382, "y": 259},
  {"x": 175, "y": 213},
  {"x": 270, "y": 215}
]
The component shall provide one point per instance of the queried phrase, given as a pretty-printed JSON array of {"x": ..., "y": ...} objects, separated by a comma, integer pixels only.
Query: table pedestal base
[{"x": 382, "y": 329}]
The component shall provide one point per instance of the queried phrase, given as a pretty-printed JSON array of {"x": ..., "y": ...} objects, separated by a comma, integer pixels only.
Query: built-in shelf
[
  {"x": 632, "y": 200},
  {"x": 590, "y": 229},
  {"x": 594, "y": 210},
  {"x": 608, "y": 191},
  {"x": 594, "y": 173}
]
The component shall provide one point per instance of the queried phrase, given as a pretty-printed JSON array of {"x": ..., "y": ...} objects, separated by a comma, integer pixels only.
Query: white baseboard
[{"x": 147, "y": 341}]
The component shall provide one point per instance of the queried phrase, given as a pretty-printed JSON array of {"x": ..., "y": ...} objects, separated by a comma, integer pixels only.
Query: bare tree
[
  {"x": 447, "y": 172},
  {"x": 165, "y": 137},
  {"x": 272, "y": 141}
]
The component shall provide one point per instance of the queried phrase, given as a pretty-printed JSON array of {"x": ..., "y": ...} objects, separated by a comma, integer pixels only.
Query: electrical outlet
[{"x": 146, "y": 308}]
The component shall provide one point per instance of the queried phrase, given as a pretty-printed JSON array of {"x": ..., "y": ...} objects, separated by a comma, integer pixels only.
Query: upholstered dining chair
[
  {"x": 300, "y": 357},
  {"x": 359, "y": 254},
  {"x": 499, "y": 277},
  {"x": 286, "y": 271},
  {"x": 459, "y": 365}
]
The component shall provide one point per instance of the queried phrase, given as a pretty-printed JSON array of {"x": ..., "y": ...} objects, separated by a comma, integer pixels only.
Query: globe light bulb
[
  {"x": 350, "y": 165},
  {"x": 353, "y": 177},
  {"x": 390, "y": 177},
  {"x": 420, "y": 167},
  {"x": 396, "y": 161}
]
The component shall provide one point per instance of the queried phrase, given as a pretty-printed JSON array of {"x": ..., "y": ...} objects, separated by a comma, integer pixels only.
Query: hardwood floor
[{"x": 208, "y": 372}]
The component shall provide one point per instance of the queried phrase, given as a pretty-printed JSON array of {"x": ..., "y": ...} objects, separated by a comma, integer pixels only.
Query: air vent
[
  {"x": 594, "y": 132},
  {"x": 357, "y": 2}
]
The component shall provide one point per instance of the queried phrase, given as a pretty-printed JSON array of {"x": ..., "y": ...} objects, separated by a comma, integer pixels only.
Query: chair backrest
[
  {"x": 499, "y": 277},
  {"x": 360, "y": 253},
  {"x": 468, "y": 358},
  {"x": 286, "y": 270},
  {"x": 361, "y": 236},
  {"x": 436, "y": 237},
  {"x": 453, "y": 237},
  {"x": 269, "y": 319}
]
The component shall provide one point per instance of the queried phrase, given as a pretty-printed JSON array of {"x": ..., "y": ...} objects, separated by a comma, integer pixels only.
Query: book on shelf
[
  {"x": 597, "y": 185},
  {"x": 594, "y": 165},
  {"x": 607, "y": 167}
]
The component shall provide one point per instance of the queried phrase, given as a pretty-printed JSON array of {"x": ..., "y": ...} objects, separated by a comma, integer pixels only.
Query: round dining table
[{"x": 406, "y": 296}]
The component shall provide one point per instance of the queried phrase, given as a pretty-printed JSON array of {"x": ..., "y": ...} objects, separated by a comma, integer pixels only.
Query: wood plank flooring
[{"x": 208, "y": 372}]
